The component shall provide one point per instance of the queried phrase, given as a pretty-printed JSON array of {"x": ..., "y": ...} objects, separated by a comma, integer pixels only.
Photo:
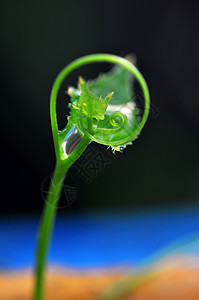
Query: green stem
[
  {"x": 48, "y": 217},
  {"x": 46, "y": 225},
  {"x": 90, "y": 125}
]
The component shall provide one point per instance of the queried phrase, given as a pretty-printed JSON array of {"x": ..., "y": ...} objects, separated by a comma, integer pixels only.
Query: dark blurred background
[{"x": 38, "y": 38}]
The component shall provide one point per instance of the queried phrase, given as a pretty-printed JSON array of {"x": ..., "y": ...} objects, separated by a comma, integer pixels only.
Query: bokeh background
[
  {"x": 134, "y": 210},
  {"x": 38, "y": 38},
  {"x": 136, "y": 207}
]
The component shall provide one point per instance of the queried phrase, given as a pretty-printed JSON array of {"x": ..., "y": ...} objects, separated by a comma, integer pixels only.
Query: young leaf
[
  {"x": 88, "y": 97},
  {"x": 91, "y": 105}
]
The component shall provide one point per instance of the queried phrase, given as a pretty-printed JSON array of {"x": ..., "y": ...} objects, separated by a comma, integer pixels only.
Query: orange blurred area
[
  {"x": 171, "y": 281},
  {"x": 170, "y": 285},
  {"x": 59, "y": 287}
]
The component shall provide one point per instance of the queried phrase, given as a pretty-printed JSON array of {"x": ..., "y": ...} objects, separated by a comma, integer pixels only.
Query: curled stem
[{"x": 95, "y": 58}]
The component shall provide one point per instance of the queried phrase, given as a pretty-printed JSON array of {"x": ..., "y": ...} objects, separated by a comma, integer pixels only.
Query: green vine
[{"x": 91, "y": 119}]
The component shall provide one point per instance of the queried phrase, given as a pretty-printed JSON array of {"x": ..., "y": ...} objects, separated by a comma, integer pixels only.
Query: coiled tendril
[{"x": 116, "y": 119}]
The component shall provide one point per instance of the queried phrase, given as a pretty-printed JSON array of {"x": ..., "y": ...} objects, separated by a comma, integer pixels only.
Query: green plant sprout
[{"x": 101, "y": 110}]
